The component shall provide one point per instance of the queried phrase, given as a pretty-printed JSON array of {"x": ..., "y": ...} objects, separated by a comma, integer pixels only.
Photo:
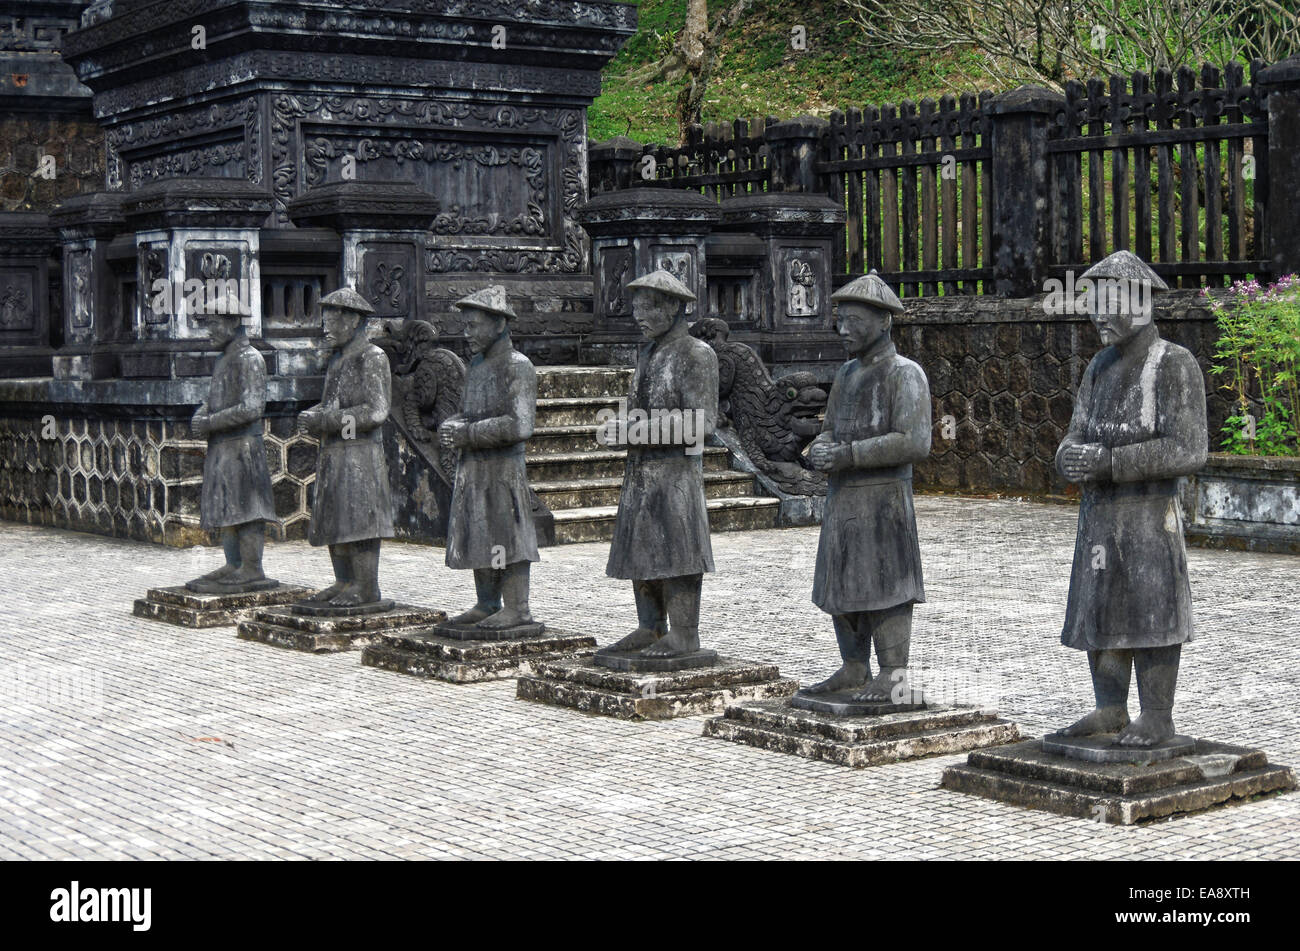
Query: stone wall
[
  {"x": 1003, "y": 375},
  {"x": 76, "y": 144}
]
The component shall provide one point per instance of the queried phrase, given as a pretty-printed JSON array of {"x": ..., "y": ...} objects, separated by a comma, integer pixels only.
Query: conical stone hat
[
  {"x": 1125, "y": 266},
  {"x": 347, "y": 299},
  {"x": 870, "y": 289},
  {"x": 664, "y": 282},
  {"x": 492, "y": 299}
]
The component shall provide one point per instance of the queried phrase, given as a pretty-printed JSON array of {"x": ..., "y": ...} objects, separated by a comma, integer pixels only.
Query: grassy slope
[{"x": 760, "y": 74}]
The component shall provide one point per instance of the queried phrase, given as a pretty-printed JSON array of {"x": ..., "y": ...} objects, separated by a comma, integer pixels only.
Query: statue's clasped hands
[
  {"x": 311, "y": 420},
  {"x": 1088, "y": 462},
  {"x": 453, "y": 434},
  {"x": 825, "y": 456},
  {"x": 200, "y": 424}
]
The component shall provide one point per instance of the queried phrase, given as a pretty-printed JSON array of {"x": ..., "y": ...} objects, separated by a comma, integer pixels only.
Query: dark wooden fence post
[
  {"x": 797, "y": 145},
  {"x": 1277, "y": 182},
  {"x": 1021, "y": 211}
]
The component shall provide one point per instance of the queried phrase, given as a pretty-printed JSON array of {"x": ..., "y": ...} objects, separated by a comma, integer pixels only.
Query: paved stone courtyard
[{"x": 125, "y": 738}]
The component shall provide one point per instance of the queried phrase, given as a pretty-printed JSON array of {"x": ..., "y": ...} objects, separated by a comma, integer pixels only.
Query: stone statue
[
  {"x": 353, "y": 506},
  {"x": 1139, "y": 425},
  {"x": 661, "y": 534},
  {"x": 236, "y": 495},
  {"x": 868, "y": 572},
  {"x": 773, "y": 420},
  {"x": 491, "y": 529}
]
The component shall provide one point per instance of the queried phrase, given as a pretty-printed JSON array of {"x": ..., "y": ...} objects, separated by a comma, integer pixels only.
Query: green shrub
[{"x": 1258, "y": 354}]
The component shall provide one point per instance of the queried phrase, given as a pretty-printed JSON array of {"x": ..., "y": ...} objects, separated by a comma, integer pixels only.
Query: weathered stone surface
[
  {"x": 581, "y": 685},
  {"x": 634, "y": 662},
  {"x": 282, "y": 627},
  {"x": 1118, "y": 793},
  {"x": 1250, "y": 503},
  {"x": 429, "y": 652},
  {"x": 1101, "y": 748},
  {"x": 860, "y": 741},
  {"x": 186, "y": 608},
  {"x": 840, "y": 703},
  {"x": 473, "y": 632}
]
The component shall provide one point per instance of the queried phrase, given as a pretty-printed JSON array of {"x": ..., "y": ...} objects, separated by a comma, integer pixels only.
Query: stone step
[
  {"x": 588, "y": 493},
  {"x": 570, "y": 381},
  {"x": 920, "y": 741},
  {"x": 563, "y": 439},
  {"x": 842, "y": 729},
  {"x": 607, "y": 463},
  {"x": 575, "y": 411},
  {"x": 596, "y": 523}
]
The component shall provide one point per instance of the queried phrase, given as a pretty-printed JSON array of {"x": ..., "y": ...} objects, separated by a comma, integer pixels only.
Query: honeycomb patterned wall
[
  {"x": 1005, "y": 374},
  {"x": 136, "y": 478}
]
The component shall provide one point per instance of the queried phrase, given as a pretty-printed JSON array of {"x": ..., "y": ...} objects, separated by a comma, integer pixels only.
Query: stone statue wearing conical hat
[
  {"x": 352, "y": 510},
  {"x": 661, "y": 533},
  {"x": 1139, "y": 425},
  {"x": 868, "y": 572},
  {"x": 236, "y": 495},
  {"x": 490, "y": 528}
]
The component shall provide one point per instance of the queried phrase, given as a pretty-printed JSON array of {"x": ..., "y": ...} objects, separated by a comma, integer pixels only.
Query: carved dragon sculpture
[
  {"x": 428, "y": 382},
  {"x": 773, "y": 419}
]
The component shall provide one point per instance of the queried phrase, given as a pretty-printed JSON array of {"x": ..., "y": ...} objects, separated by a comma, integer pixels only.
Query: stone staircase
[{"x": 580, "y": 480}]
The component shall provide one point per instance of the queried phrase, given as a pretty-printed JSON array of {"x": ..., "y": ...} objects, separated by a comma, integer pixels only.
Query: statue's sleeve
[
  {"x": 1079, "y": 417},
  {"x": 909, "y": 437},
  {"x": 250, "y": 372},
  {"x": 517, "y": 423},
  {"x": 700, "y": 387},
  {"x": 1182, "y": 441},
  {"x": 377, "y": 389},
  {"x": 827, "y": 434}
]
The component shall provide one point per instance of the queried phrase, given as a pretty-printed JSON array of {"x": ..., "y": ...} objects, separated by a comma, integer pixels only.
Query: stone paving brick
[{"x": 124, "y": 738}]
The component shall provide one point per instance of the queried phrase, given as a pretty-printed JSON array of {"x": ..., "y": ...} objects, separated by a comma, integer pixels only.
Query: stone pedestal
[
  {"x": 471, "y": 654},
  {"x": 585, "y": 685},
  {"x": 1121, "y": 793},
  {"x": 864, "y": 735},
  {"x": 328, "y": 634},
  {"x": 187, "y": 608}
]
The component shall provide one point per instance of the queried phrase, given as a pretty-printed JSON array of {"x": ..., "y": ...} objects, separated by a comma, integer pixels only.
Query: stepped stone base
[
  {"x": 436, "y": 654},
  {"x": 285, "y": 627},
  {"x": 580, "y": 684},
  {"x": 187, "y": 608},
  {"x": 1118, "y": 793},
  {"x": 859, "y": 741}
]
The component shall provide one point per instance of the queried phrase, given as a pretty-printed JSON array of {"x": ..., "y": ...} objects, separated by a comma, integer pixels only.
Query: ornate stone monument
[
  {"x": 868, "y": 573},
  {"x": 236, "y": 500},
  {"x": 1139, "y": 426},
  {"x": 661, "y": 535},
  {"x": 353, "y": 508},
  {"x": 490, "y": 529}
]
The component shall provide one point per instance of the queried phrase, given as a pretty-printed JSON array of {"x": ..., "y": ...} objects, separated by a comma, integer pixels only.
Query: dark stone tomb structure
[{"x": 406, "y": 148}]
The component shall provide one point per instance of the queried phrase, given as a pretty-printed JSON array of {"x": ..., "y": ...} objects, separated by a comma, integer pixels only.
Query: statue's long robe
[
  {"x": 662, "y": 527},
  {"x": 491, "y": 520},
  {"x": 868, "y": 556},
  {"x": 1145, "y": 402},
  {"x": 353, "y": 500},
  {"x": 236, "y": 480}
]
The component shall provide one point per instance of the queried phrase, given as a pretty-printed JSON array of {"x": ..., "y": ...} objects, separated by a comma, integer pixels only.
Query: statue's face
[
  {"x": 861, "y": 325},
  {"x": 484, "y": 329},
  {"x": 222, "y": 329},
  {"x": 654, "y": 312},
  {"x": 340, "y": 324},
  {"x": 1120, "y": 309}
]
